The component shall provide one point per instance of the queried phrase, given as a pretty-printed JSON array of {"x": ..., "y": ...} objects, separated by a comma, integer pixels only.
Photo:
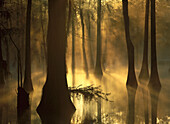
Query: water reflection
[
  {"x": 25, "y": 117},
  {"x": 86, "y": 111}
]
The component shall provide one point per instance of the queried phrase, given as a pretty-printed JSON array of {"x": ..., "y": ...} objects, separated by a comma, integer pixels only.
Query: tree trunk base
[
  {"x": 98, "y": 73},
  {"x": 54, "y": 108},
  {"x": 2, "y": 82},
  {"x": 22, "y": 101},
  {"x": 28, "y": 85}
]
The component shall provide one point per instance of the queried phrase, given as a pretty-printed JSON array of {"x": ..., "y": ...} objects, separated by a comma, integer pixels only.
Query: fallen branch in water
[{"x": 89, "y": 92}]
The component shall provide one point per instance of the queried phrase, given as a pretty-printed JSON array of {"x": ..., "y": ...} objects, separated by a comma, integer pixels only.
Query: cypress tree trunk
[
  {"x": 43, "y": 33},
  {"x": 7, "y": 58},
  {"x": 90, "y": 46},
  {"x": 27, "y": 81},
  {"x": 55, "y": 106},
  {"x": 83, "y": 40},
  {"x": 98, "y": 69},
  {"x": 2, "y": 81},
  {"x": 104, "y": 56},
  {"x": 73, "y": 46},
  {"x": 131, "y": 83},
  {"x": 144, "y": 73},
  {"x": 69, "y": 17},
  {"x": 22, "y": 11},
  {"x": 154, "y": 82}
]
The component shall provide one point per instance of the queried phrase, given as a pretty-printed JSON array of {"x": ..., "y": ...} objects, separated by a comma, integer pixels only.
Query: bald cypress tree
[
  {"x": 154, "y": 81},
  {"x": 144, "y": 73},
  {"x": 98, "y": 69},
  {"x": 73, "y": 12},
  {"x": 83, "y": 39},
  {"x": 55, "y": 106},
  {"x": 2, "y": 81},
  {"x": 131, "y": 83},
  {"x": 27, "y": 80}
]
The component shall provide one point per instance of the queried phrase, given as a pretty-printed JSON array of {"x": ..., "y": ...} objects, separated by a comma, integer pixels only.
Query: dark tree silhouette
[
  {"x": 2, "y": 81},
  {"x": 83, "y": 39},
  {"x": 154, "y": 82},
  {"x": 7, "y": 58},
  {"x": 27, "y": 80},
  {"x": 69, "y": 16},
  {"x": 131, "y": 83},
  {"x": 55, "y": 106},
  {"x": 98, "y": 69},
  {"x": 43, "y": 32},
  {"x": 144, "y": 73}
]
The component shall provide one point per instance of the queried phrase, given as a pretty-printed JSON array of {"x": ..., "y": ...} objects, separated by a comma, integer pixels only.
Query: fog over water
[{"x": 114, "y": 64}]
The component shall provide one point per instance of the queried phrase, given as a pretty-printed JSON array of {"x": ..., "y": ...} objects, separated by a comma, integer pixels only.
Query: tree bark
[
  {"x": 2, "y": 81},
  {"x": 55, "y": 106},
  {"x": 144, "y": 73},
  {"x": 83, "y": 40},
  {"x": 154, "y": 82},
  {"x": 27, "y": 81},
  {"x": 22, "y": 50},
  {"x": 131, "y": 83},
  {"x": 73, "y": 45},
  {"x": 90, "y": 44},
  {"x": 7, "y": 59},
  {"x": 69, "y": 17},
  {"x": 98, "y": 69},
  {"x": 105, "y": 55},
  {"x": 43, "y": 34}
]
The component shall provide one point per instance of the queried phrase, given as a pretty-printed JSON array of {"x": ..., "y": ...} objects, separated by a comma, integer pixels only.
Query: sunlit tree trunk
[
  {"x": 83, "y": 40},
  {"x": 2, "y": 81},
  {"x": 98, "y": 69},
  {"x": 27, "y": 81},
  {"x": 90, "y": 46},
  {"x": 144, "y": 73},
  {"x": 154, "y": 82},
  {"x": 73, "y": 45},
  {"x": 131, "y": 83},
  {"x": 55, "y": 106},
  {"x": 104, "y": 55}
]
